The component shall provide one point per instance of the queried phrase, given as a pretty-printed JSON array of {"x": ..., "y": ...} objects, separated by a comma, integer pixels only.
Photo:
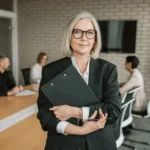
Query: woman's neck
[
  {"x": 41, "y": 64},
  {"x": 82, "y": 62}
]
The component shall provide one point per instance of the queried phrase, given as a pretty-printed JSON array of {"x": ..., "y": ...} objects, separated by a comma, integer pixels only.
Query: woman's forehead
[{"x": 84, "y": 24}]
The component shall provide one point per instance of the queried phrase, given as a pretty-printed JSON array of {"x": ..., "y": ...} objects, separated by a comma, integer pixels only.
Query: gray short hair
[{"x": 66, "y": 49}]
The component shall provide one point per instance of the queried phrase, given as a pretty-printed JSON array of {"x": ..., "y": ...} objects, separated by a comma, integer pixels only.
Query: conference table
[
  {"x": 12, "y": 104},
  {"x": 25, "y": 135},
  {"x": 25, "y": 132}
]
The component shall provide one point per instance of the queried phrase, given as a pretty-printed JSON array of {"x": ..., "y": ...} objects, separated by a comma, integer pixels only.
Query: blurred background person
[
  {"x": 135, "y": 79},
  {"x": 36, "y": 69},
  {"x": 7, "y": 82}
]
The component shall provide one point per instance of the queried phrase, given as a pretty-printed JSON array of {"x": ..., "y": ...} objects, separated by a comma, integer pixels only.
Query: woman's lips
[{"x": 82, "y": 45}]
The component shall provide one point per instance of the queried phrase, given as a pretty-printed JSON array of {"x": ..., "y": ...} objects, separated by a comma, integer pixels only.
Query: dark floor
[{"x": 138, "y": 135}]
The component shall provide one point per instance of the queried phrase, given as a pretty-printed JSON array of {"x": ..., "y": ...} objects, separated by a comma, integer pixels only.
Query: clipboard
[{"x": 69, "y": 88}]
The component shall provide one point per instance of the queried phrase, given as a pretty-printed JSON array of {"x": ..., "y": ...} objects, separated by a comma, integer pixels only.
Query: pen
[{"x": 95, "y": 119}]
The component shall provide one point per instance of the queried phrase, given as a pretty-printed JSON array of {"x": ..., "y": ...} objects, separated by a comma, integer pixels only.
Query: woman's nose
[{"x": 84, "y": 36}]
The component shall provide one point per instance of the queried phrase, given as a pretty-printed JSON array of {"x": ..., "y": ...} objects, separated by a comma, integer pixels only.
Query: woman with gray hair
[{"x": 81, "y": 46}]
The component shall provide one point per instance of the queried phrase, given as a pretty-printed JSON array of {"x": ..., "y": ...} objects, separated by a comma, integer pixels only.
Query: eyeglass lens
[{"x": 90, "y": 34}]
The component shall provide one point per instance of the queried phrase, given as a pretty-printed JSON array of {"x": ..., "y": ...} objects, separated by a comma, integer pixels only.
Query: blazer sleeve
[
  {"x": 47, "y": 118},
  {"x": 111, "y": 102}
]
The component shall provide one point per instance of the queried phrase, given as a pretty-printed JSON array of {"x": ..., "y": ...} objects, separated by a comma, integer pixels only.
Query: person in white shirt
[
  {"x": 36, "y": 70},
  {"x": 135, "y": 79}
]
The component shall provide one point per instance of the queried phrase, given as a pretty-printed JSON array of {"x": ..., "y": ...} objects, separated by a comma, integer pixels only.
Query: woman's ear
[{"x": 130, "y": 65}]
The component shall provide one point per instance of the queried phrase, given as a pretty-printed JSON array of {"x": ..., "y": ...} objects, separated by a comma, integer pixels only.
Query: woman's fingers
[
  {"x": 102, "y": 119},
  {"x": 53, "y": 108},
  {"x": 93, "y": 115},
  {"x": 101, "y": 113}
]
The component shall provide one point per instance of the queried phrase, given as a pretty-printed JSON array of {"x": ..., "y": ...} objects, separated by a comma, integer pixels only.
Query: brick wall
[{"x": 41, "y": 25}]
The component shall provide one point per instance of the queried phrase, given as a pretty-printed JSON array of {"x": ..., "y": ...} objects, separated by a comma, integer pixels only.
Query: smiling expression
[{"x": 83, "y": 45}]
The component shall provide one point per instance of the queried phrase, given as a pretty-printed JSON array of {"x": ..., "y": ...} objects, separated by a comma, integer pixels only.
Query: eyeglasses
[{"x": 77, "y": 33}]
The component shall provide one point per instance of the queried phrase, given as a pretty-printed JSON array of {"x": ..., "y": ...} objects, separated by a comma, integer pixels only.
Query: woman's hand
[
  {"x": 62, "y": 112},
  {"x": 91, "y": 126}
]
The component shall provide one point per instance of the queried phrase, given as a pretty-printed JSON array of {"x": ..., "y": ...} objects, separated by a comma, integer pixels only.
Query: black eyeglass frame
[{"x": 83, "y": 33}]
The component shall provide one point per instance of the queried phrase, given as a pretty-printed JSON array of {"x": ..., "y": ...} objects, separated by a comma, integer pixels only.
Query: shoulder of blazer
[
  {"x": 54, "y": 68},
  {"x": 58, "y": 63},
  {"x": 105, "y": 64}
]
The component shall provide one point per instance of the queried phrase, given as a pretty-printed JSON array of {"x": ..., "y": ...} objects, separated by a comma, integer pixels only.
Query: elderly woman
[{"x": 81, "y": 46}]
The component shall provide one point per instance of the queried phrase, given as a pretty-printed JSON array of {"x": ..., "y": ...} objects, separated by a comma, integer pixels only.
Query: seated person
[
  {"x": 135, "y": 79},
  {"x": 36, "y": 70},
  {"x": 7, "y": 82}
]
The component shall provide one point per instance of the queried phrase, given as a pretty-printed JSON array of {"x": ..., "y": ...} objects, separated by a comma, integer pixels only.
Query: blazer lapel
[
  {"x": 94, "y": 77},
  {"x": 66, "y": 62}
]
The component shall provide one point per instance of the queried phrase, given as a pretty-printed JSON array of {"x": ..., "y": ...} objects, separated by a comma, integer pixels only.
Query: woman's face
[
  {"x": 44, "y": 60},
  {"x": 83, "y": 45},
  {"x": 127, "y": 65}
]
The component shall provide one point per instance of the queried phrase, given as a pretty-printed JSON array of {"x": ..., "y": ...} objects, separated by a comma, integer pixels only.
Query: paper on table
[{"x": 25, "y": 92}]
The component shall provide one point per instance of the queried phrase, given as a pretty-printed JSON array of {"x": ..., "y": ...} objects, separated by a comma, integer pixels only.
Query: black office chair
[
  {"x": 128, "y": 119},
  {"x": 26, "y": 75},
  {"x": 119, "y": 133}
]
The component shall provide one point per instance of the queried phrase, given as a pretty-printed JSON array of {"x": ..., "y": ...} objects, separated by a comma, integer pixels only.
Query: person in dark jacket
[
  {"x": 7, "y": 82},
  {"x": 81, "y": 46}
]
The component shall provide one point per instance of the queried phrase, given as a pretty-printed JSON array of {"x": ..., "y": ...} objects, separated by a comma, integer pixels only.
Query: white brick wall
[{"x": 41, "y": 25}]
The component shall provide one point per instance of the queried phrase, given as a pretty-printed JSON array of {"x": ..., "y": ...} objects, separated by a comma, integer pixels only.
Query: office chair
[
  {"x": 120, "y": 135},
  {"x": 128, "y": 116},
  {"x": 26, "y": 75}
]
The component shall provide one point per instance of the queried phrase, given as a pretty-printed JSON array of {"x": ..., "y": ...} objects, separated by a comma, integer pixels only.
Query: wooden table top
[
  {"x": 13, "y": 104},
  {"x": 25, "y": 135}
]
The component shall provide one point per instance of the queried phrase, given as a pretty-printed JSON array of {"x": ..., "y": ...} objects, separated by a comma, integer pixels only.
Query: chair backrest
[
  {"x": 26, "y": 75},
  {"x": 128, "y": 115},
  {"x": 131, "y": 93},
  {"x": 124, "y": 106}
]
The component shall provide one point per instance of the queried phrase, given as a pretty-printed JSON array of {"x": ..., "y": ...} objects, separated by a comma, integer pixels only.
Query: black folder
[{"x": 69, "y": 88}]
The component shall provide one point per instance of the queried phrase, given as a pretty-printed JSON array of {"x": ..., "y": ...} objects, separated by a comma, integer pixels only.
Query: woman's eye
[
  {"x": 76, "y": 32},
  {"x": 90, "y": 32}
]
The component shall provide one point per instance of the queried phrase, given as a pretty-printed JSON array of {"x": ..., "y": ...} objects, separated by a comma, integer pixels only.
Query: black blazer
[{"x": 103, "y": 82}]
